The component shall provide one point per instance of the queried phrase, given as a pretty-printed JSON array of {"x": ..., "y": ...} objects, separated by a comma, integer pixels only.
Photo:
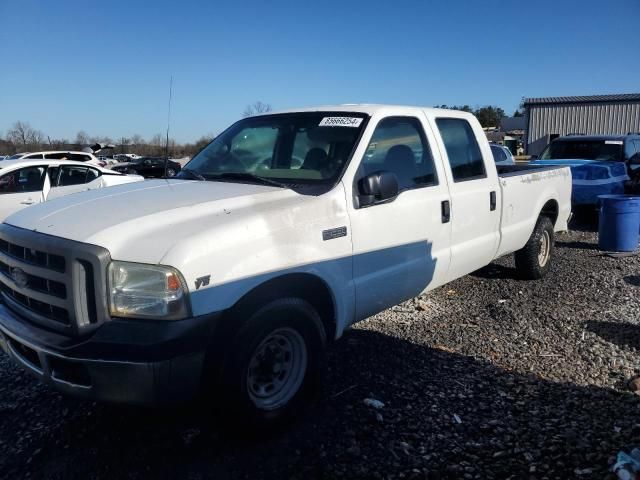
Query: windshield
[
  {"x": 15, "y": 157},
  {"x": 299, "y": 148},
  {"x": 602, "y": 150}
]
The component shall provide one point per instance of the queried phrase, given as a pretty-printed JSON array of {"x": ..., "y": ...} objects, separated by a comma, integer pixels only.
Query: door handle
[
  {"x": 27, "y": 202},
  {"x": 492, "y": 200},
  {"x": 446, "y": 211}
]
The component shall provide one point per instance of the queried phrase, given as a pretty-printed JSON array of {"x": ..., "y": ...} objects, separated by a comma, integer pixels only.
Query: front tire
[
  {"x": 534, "y": 260},
  {"x": 274, "y": 364}
]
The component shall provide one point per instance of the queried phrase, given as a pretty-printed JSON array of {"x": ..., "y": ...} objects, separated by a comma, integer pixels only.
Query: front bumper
[{"x": 123, "y": 361}]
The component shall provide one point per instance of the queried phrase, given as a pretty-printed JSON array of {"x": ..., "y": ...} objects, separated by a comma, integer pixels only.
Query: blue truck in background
[{"x": 600, "y": 164}]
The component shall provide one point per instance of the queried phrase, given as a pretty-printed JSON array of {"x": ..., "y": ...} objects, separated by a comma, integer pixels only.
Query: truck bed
[
  {"x": 526, "y": 189},
  {"x": 511, "y": 170}
]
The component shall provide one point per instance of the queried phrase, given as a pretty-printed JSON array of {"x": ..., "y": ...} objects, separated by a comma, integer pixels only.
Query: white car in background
[
  {"x": 59, "y": 155},
  {"x": 32, "y": 181},
  {"x": 501, "y": 154}
]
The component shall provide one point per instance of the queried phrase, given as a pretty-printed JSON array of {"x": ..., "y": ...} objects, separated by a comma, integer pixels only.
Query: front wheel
[
  {"x": 274, "y": 363},
  {"x": 533, "y": 261}
]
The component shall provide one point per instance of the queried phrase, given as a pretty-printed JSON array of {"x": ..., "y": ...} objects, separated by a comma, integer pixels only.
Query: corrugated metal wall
[{"x": 587, "y": 118}]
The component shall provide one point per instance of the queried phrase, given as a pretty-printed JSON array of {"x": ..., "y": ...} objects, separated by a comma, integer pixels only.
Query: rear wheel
[
  {"x": 171, "y": 172},
  {"x": 274, "y": 364},
  {"x": 533, "y": 261}
]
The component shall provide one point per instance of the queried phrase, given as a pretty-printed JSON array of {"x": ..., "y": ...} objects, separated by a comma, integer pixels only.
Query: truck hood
[{"x": 142, "y": 221}]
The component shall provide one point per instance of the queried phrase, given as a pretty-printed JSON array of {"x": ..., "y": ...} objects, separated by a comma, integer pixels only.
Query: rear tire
[
  {"x": 273, "y": 365},
  {"x": 534, "y": 260}
]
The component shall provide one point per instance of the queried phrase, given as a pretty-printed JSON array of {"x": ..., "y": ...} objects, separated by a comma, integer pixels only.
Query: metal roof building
[{"x": 550, "y": 117}]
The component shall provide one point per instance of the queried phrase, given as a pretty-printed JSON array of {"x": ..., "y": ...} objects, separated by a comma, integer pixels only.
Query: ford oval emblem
[{"x": 19, "y": 277}]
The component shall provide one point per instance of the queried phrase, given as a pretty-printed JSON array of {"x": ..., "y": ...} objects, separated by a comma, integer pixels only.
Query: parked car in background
[
  {"x": 125, "y": 157},
  {"x": 59, "y": 155},
  {"x": 32, "y": 181},
  {"x": 230, "y": 279},
  {"x": 149, "y": 167},
  {"x": 501, "y": 154},
  {"x": 600, "y": 164}
]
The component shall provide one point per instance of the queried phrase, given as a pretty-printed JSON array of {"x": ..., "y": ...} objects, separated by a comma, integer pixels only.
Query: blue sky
[{"x": 104, "y": 67}]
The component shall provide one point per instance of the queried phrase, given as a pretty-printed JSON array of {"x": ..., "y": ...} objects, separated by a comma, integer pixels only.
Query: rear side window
[
  {"x": 72, "y": 175},
  {"x": 398, "y": 145},
  {"x": 57, "y": 156},
  {"x": 462, "y": 148},
  {"x": 92, "y": 174},
  {"x": 79, "y": 157}
]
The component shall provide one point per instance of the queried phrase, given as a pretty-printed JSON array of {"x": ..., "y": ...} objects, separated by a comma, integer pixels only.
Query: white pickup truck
[{"x": 276, "y": 237}]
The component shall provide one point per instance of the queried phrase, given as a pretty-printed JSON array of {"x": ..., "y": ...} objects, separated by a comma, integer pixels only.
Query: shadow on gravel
[
  {"x": 584, "y": 219},
  {"x": 616, "y": 332},
  {"x": 445, "y": 415},
  {"x": 633, "y": 280},
  {"x": 579, "y": 245},
  {"x": 493, "y": 271}
]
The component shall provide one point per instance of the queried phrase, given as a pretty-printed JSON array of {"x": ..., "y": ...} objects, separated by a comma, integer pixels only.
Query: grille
[
  {"x": 38, "y": 284},
  {"x": 52, "y": 312},
  {"x": 52, "y": 281},
  {"x": 33, "y": 257}
]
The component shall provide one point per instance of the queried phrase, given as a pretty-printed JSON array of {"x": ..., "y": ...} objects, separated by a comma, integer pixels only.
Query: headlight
[{"x": 147, "y": 291}]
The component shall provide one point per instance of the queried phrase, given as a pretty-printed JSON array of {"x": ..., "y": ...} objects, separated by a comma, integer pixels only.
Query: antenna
[{"x": 166, "y": 149}]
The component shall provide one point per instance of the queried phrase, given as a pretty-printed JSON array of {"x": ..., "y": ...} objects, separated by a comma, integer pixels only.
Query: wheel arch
[
  {"x": 551, "y": 210},
  {"x": 306, "y": 286}
]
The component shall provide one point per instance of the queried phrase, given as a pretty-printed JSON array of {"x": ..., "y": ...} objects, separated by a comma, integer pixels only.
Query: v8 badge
[{"x": 202, "y": 281}]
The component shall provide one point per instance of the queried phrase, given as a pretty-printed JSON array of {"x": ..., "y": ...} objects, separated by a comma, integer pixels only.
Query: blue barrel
[{"x": 619, "y": 223}]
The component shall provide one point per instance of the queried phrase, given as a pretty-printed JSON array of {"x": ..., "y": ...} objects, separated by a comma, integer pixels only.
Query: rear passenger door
[
  {"x": 401, "y": 246},
  {"x": 67, "y": 179},
  {"x": 475, "y": 196}
]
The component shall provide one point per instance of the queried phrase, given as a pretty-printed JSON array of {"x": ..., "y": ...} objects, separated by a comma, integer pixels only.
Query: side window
[
  {"x": 57, "y": 156},
  {"x": 462, "y": 148},
  {"x": 35, "y": 156},
  {"x": 29, "y": 179},
  {"x": 629, "y": 149},
  {"x": 92, "y": 174},
  {"x": 72, "y": 175},
  {"x": 399, "y": 145},
  {"x": 78, "y": 157},
  {"x": 498, "y": 154}
]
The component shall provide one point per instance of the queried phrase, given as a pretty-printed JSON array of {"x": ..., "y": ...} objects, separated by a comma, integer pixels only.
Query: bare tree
[
  {"x": 23, "y": 134},
  {"x": 256, "y": 108},
  {"x": 100, "y": 139},
  {"x": 137, "y": 140},
  {"x": 124, "y": 143},
  {"x": 82, "y": 137}
]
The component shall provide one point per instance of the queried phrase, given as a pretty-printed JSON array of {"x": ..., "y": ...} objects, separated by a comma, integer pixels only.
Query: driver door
[
  {"x": 20, "y": 189},
  {"x": 400, "y": 247}
]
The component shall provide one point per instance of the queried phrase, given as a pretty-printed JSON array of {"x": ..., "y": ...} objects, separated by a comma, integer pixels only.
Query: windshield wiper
[
  {"x": 246, "y": 176},
  {"x": 192, "y": 174}
]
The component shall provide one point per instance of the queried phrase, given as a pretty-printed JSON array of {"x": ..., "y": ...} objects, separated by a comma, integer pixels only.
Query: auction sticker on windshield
[{"x": 340, "y": 122}]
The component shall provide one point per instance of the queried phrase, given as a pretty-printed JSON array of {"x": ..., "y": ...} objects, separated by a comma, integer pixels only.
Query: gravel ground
[{"x": 487, "y": 377}]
